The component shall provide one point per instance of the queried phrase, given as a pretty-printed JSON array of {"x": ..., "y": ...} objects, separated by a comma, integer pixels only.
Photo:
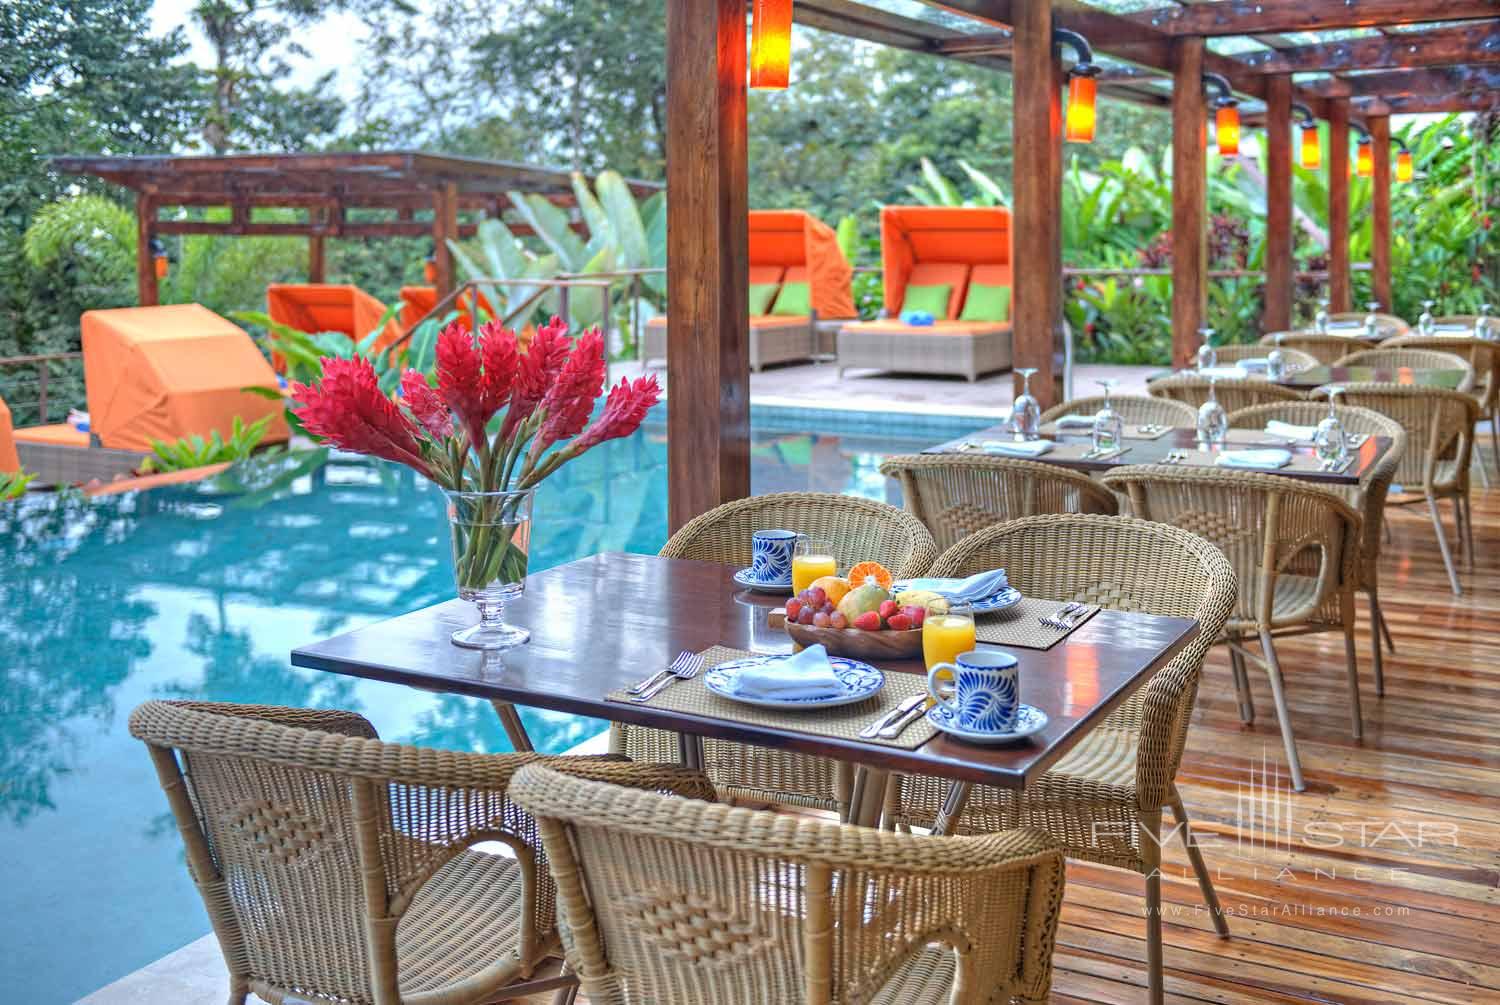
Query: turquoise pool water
[{"x": 202, "y": 591}]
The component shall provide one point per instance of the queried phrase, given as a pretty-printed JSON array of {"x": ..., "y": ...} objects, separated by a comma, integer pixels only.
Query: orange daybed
[
  {"x": 418, "y": 301},
  {"x": 786, "y": 246},
  {"x": 957, "y": 246},
  {"x": 329, "y": 307},
  {"x": 9, "y": 462},
  {"x": 162, "y": 373}
]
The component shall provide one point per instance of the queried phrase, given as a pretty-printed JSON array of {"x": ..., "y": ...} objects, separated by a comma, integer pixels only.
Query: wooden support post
[
  {"x": 708, "y": 250},
  {"x": 444, "y": 227},
  {"x": 1036, "y": 126},
  {"x": 1189, "y": 199},
  {"x": 1277, "y": 313},
  {"x": 1339, "y": 293},
  {"x": 316, "y": 263},
  {"x": 1380, "y": 237},
  {"x": 145, "y": 264}
]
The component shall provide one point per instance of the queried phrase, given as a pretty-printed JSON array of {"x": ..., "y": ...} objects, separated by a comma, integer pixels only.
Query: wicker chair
[
  {"x": 671, "y": 900},
  {"x": 1468, "y": 321},
  {"x": 1140, "y": 409},
  {"x": 1368, "y": 497},
  {"x": 1295, "y": 553},
  {"x": 1387, "y": 325},
  {"x": 1439, "y": 428},
  {"x": 1192, "y": 390},
  {"x": 956, "y": 494},
  {"x": 1104, "y": 799},
  {"x": 1415, "y": 359},
  {"x": 1323, "y": 348},
  {"x": 1484, "y": 357},
  {"x": 860, "y": 529},
  {"x": 1227, "y": 354},
  {"x": 337, "y": 867}
]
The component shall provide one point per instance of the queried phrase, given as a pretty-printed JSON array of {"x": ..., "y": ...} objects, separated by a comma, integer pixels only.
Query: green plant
[
  {"x": 13, "y": 484},
  {"x": 196, "y": 452}
]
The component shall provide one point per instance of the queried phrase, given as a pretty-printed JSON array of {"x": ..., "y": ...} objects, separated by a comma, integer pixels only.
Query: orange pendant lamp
[
  {"x": 1364, "y": 159},
  {"x": 159, "y": 260},
  {"x": 1078, "y": 124},
  {"x": 771, "y": 44},
  {"x": 1226, "y": 116},
  {"x": 1404, "y": 166},
  {"x": 1312, "y": 151}
]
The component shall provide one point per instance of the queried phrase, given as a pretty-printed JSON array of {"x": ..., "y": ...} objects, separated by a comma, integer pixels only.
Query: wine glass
[
  {"x": 1109, "y": 427},
  {"x": 1426, "y": 324},
  {"x": 1026, "y": 412},
  {"x": 1328, "y": 441},
  {"x": 1213, "y": 421},
  {"x": 1275, "y": 365},
  {"x": 1482, "y": 322},
  {"x": 1208, "y": 356},
  {"x": 1320, "y": 320},
  {"x": 1372, "y": 319}
]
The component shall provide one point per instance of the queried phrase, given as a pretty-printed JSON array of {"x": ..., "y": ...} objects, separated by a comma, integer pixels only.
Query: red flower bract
[
  {"x": 426, "y": 405},
  {"x": 535, "y": 372},
  {"x": 624, "y": 411},
  {"x": 346, "y": 408},
  {"x": 497, "y": 347},
  {"x": 570, "y": 399},
  {"x": 460, "y": 379}
]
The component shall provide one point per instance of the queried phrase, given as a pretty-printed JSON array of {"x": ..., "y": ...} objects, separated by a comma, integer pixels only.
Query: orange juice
[
  {"x": 944, "y": 636},
  {"x": 807, "y": 569}
]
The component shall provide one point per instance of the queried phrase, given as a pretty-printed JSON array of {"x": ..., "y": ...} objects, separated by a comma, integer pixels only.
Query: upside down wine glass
[
  {"x": 1213, "y": 421},
  {"x": 1328, "y": 440},
  {"x": 1372, "y": 319},
  {"x": 1026, "y": 412},
  {"x": 1426, "y": 324},
  {"x": 1208, "y": 356},
  {"x": 1320, "y": 320},
  {"x": 1482, "y": 327},
  {"x": 1109, "y": 427}
]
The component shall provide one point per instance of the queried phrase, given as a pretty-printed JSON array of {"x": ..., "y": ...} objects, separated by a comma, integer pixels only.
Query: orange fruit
[
  {"x": 871, "y": 570},
  {"x": 835, "y": 586}
]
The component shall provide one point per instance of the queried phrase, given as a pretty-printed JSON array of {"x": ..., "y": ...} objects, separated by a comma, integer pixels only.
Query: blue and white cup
[
  {"x": 771, "y": 556},
  {"x": 985, "y": 694}
]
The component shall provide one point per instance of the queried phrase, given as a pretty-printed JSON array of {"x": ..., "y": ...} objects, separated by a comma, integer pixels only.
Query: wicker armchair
[
  {"x": 1104, "y": 799},
  {"x": 1227, "y": 354},
  {"x": 671, "y": 900},
  {"x": 1387, "y": 325},
  {"x": 1295, "y": 553},
  {"x": 1140, "y": 409},
  {"x": 1468, "y": 321},
  {"x": 1484, "y": 357},
  {"x": 1368, "y": 497},
  {"x": 860, "y": 529},
  {"x": 1415, "y": 359},
  {"x": 1323, "y": 348},
  {"x": 337, "y": 867},
  {"x": 1192, "y": 390},
  {"x": 956, "y": 494},
  {"x": 1439, "y": 428}
]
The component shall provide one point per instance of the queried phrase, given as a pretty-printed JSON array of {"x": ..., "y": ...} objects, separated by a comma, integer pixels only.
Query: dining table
[
  {"x": 1313, "y": 377},
  {"x": 602, "y": 623}
]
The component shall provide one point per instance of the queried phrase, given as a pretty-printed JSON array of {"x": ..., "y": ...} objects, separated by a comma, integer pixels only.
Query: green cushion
[
  {"x": 794, "y": 299},
  {"x": 986, "y": 303},
  {"x": 927, "y": 299},
  {"x": 760, "y": 296}
]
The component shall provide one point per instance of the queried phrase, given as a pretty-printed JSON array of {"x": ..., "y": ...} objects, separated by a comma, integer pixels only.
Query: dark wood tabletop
[
  {"x": 1142, "y": 451},
  {"x": 603, "y": 623},
  {"x": 1316, "y": 376}
]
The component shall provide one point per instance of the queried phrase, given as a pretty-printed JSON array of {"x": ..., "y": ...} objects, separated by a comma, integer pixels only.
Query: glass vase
[{"x": 491, "y": 537}]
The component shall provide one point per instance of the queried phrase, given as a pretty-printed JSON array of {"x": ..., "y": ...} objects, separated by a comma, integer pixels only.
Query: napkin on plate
[
  {"x": 1073, "y": 421},
  {"x": 1017, "y": 448},
  {"x": 1255, "y": 364},
  {"x": 1221, "y": 372},
  {"x": 1288, "y": 431},
  {"x": 807, "y": 674},
  {"x": 980, "y": 586},
  {"x": 1254, "y": 459}
]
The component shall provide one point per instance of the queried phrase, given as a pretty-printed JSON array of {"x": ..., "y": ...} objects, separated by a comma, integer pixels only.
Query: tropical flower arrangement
[{"x": 501, "y": 418}]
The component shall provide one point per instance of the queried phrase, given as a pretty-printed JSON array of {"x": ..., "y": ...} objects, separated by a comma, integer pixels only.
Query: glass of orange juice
[
  {"x": 812, "y": 559},
  {"x": 947, "y": 630}
]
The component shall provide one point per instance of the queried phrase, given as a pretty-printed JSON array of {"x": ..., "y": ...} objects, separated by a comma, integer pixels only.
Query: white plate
[
  {"x": 1029, "y": 721},
  {"x": 1008, "y": 597},
  {"x": 860, "y": 680},
  {"x": 745, "y": 579}
]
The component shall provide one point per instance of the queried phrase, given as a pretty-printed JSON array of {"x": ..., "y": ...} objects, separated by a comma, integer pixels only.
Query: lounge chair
[
  {"x": 418, "y": 301},
  {"x": 9, "y": 460},
  {"x": 329, "y": 307}
]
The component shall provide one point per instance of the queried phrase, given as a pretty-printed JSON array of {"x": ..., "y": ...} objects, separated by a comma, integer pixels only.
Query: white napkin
[
  {"x": 1221, "y": 372},
  {"x": 1288, "y": 431},
  {"x": 1017, "y": 448},
  {"x": 1254, "y": 459},
  {"x": 1073, "y": 421},
  {"x": 807, "y": 674},
  {"x": 980, "y": 586},
  {"x": 1255, "y": 364}
]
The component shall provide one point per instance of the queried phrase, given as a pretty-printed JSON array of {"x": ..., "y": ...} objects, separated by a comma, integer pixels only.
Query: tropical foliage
[
  {"x": 197, "y": 451},
  {"x": 13, "y": 484}
]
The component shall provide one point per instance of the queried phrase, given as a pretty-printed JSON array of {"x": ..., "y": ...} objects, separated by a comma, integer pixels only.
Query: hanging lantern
[
  {"x": 1404, "y": 167},
  {"x": 429, "y": 266},
  {"x": 771, "y": 44},
  {"x": 1312, "y": 150},
  {"x": 1078, "y": 123},
  {"x": 1364, "y": 159},
  {"x": 159, "y": 257},
  {"x": 1227, "y": 128}
]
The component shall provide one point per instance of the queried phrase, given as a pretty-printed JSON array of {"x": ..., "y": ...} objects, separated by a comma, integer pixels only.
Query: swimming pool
[{"x": 202, "y": 591}]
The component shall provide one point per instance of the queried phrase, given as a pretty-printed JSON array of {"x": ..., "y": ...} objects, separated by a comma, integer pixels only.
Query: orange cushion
[
  {"x": 8, "y": 459},
  {"x": 893, "y": 326},
  {"x": 762, "y": 274},
  {"x": 58, "y": 434}
]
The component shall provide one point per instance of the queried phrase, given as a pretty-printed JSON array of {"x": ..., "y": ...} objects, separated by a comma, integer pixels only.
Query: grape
[
  {"x": 793, "y": 608},
  {"x": 817, "y": 596},
  {"x": 805, "y": 617},
  {"x": 821, "y": 619},
  {"x": 837, "y": 620},
  {"x": 827, "y": 608}
]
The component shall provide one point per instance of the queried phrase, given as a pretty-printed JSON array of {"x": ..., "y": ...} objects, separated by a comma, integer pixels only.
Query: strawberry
[
  {"x": 899, "y": 622},
  {"x": 887, "y": 608},
  {"x": 917, "y": 614},
  {"x": 868, "y": 621}
]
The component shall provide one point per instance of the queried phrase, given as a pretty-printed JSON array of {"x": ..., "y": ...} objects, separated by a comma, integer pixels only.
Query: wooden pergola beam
[
  {"x": 1261, "y": 17},
  {"x": 1470, "y": 44},
  {"x": 1388, "y": 84},
  {"x": 1418, "y": 104}
]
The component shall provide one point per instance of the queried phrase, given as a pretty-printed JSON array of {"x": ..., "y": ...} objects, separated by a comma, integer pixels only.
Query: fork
[
  {"x": 682, "y": 660},
  {"x": 1055, "y": 619},
  {"x": 688, "y": 671}
]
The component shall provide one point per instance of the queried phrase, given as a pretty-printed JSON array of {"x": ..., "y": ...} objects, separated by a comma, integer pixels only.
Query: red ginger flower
[
  {"x": 346, "y": 408},
  {"x": 624, "y": 412},
  {"x": 535, "y": 372},
  {"x": 460, "y": 379},
  {"x": 570, "y": 399},
  {"x": 426, "y": 405},
  {"x": 497, "y": 347}
]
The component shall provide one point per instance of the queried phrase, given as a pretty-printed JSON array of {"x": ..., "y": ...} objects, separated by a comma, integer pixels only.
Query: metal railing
[{"x": 29, "y": 385}]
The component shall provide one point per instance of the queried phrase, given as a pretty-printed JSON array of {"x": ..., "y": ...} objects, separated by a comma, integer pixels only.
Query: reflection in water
[{"x": 200, "y": 592}]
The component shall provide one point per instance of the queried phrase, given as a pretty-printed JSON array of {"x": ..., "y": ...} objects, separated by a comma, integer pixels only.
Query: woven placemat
[
  {"x": 1301, "y": 462},
  {"x": 842, "y": 722},
  {"x": 1132, "y": 432},
  {"x": 1062, "y": 450},
  {"x": 1020, "y": 625},
  {"x": 1261, "y": 438}
]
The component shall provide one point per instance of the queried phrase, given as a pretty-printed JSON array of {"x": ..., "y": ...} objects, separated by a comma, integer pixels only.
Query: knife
[
  {"x": 896, "y": 728},
  {"x": 875, "y": 727}
]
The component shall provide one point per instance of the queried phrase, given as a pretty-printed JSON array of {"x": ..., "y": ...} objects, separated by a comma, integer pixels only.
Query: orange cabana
[
  {"x": 162, "y": 373},
  {"x": 806, "y": 250},
  {"x": 418, "y": 301},
  {"x": 8, "y": 459},
  {"x": 329, "y": 307}
]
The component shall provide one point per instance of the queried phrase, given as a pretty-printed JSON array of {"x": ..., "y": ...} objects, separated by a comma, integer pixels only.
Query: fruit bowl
[{"x": 886, "y": 644}]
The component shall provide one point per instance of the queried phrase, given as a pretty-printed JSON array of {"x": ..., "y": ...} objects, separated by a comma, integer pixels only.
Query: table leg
[
  {"x": 868, "y": 797},
  {"x": 690, "y": 751},
  {"x": 953, "y": 807},
  {"x": 514, "y": 730}
]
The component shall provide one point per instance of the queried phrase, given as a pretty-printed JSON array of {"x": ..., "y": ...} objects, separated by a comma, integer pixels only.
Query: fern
[{"x": 196, "y": 451}]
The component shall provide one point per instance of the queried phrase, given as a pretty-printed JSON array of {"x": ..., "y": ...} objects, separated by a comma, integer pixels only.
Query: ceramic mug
[
  {"x": 986, "y": 690},
  {"x": 771, "y": 555}
]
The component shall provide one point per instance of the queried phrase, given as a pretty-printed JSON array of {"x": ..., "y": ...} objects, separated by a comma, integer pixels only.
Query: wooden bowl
[{"x": 861, "y": 645}]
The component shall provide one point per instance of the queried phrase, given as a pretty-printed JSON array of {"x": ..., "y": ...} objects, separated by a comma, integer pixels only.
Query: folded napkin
[
  {"x": 1254, "y": 459},
  {"x": 917, "y": 319},
  {"x": 980, "y": 586},
  {"x": 807, "y": 674},
  {"x": 1255, "y": 364},
  {"x": 1222, "y": 372},
  {"x": 1017, "y": 448},
  {"x": 1074, "y": 422},
  {"x": 1288, "y": 431}
]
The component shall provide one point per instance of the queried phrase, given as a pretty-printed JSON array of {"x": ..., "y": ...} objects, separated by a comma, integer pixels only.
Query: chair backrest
[
  {"x": 1323, "y": 348},
  {"x": 955, "y": 495},
  {"x": 1233, "y": 394},
  {"x": 678, "y": 900},
  {"x": 1468, "y": 321},
  {"x": 1439, "y": 428},
  {"x": 1257, "y": 350},
  {"x": 1130, "y": 565},
  {"x": 859, "y": 529},
  {"x": 1388, "y": 325},
  {"x": 1483, "y": 356},
  {"x": 1137, "y": 409},
  {"x": 1415, "y": 359}
]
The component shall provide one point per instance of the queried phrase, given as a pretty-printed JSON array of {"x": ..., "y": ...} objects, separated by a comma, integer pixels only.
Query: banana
[{"x": 916, "y": 598}]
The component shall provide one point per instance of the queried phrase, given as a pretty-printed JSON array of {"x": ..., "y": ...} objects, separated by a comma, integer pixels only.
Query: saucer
[
  {"x": 857, "y": 681},
  {"x": 745, "y": 579},
  {"x": 1029, "y": 720}
]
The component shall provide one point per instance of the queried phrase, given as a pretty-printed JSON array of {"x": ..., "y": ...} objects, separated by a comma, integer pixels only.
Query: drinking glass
[
  {"x": 1275, "y": 365},
  {"x": 1425, "y": 323},
  {"x": 1328, "y": 440},
  {"x": 1026, "y": 413},
  {"x": 1109, "y": 427},
  {"x": 947, "y": 630},
  {"x": 1213, "y": 421},
  {"x": 1320, "y": 320},
  {"x": 1208, "y": 356},
  {"x": 1372, "y": 320},
  {"x": 812, "y": 559}
]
